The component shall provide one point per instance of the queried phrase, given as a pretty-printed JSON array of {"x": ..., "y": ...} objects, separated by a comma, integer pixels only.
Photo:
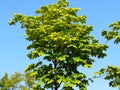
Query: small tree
[
  {"x": 10, "y": 82},
  {"x": 17, "y": 81},
  {"x": 63, "y": 39}
]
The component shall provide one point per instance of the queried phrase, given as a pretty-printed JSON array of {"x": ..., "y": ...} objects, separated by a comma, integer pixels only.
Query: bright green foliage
[
  {"x": 63, "y": 39},
  {"x": 16, "y": 78},
  {"x": 114, "y": 33},
  {"x": 17, "y": 81},
  {"x": 29, "y": 80},
  {"x": 12, "y": 82},
  {"x": 3, "y": 81},
  {"x": 24, "y": 88},
  {"x": 111, "y": 73}
]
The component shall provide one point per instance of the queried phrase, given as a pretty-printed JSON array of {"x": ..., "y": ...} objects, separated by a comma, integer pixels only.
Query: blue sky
[{"x": 100, "y": 13}]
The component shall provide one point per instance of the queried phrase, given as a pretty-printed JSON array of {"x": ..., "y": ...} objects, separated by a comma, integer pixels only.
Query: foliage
[
  {"x": 12, "y": 82},
  {"x": 111, "y": 73},
  {"x": 16, "y": 81},
  {"x": 63, "y": 39},
  {"x": 3, "y": 81},
  {"x": 29, "y": 80},
  {"x": 114, "y": 33}
]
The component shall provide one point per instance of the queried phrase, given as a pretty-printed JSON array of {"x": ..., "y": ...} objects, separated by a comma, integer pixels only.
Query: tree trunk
[
  {"x": 56, "y": 88},
  {"x": 55, "y": 62}
]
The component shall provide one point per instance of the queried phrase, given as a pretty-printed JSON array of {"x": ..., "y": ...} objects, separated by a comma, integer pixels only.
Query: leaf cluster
[
  {"x": 111, "y": 73},
  {"x": 114, "y": 33}
]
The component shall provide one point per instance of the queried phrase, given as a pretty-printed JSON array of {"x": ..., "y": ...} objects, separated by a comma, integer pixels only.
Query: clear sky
[{"x": 100, "y": 13}]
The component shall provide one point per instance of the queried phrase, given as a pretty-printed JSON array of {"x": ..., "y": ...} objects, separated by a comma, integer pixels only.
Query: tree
[
  {"x": 16, "y": 78},
  {"x": 63, "y": 39},
  {"x": 17, "y": 81},
  {"x": 111, "y": 73},
  {"x": 12, "y": 82}
]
